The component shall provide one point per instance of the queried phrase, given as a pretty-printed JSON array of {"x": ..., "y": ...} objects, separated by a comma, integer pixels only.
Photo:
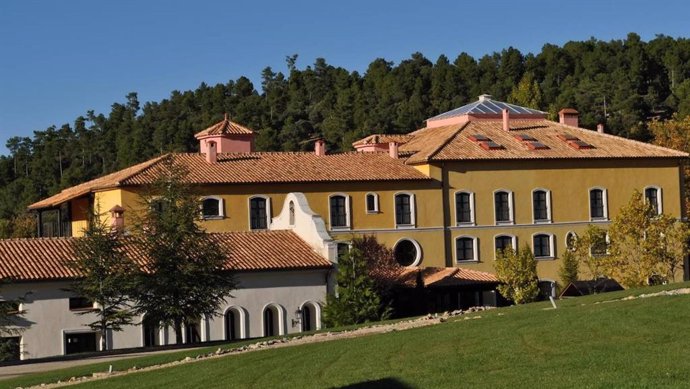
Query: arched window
[
  {"x": 291, "y": 210},
  {"x": 407, "y": 252},
  {"x": 235, "y": 320},
  {"x": 542, "y": 245},
  {"x": 652, "y": 195},
  {"x": 597, "y": 204},
  {"x": 541, "y": 206},
  {"x": 404, "y": 210},
  {"x": 340, "y": 211},
  {"x": 502, "y": 242},
  {"x": 503, "y": 207},
  {"x": 212, "y": 207},
  {"x": 273, "y": 320},
  {"x": 466, "y": 249},
  {"x": 464, "y": 208},
  {"x": 259, "y": 212},
  {"x": 310, "y": 316},
  {"x": 372, "y": 203}
]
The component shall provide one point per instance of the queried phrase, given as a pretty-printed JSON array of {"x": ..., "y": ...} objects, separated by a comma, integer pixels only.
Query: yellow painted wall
[{"x": 569, "y": 183}]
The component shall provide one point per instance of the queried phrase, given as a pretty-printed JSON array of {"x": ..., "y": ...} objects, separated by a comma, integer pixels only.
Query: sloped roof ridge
[{"x": 447, "y": 141}]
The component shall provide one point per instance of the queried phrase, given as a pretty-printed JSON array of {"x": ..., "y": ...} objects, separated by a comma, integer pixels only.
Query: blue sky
[{"x": 59, "y": 59}]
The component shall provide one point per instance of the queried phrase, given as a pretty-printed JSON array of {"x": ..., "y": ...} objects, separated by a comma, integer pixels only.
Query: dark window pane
[
  {"x": 405, "y": 252},
  {"x": 465, "y": 249},
  {"x": 652, "y": 196},
  {"x": 80, "y": 303},
  {"x": 211, "y": 207},
  {"x": 596, "y": 203},
  {"x": 463, "y": 208},
  {"x": 540, "y": 206},
  {"x": 257, "y": 213},
  {"x": 542, "y": 246},
  {"x": 502, "y": 206},
  {"x": 403, "y": 209},
  {"x": 343, "y": 249},
  {"x": 371, "y": 203},
  {"x": 504, "y": 242},
  {"x": 338, "y": 212}
]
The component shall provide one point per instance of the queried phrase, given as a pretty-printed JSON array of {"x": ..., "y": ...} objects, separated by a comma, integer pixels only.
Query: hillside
[{"x": 596, "y": 341}]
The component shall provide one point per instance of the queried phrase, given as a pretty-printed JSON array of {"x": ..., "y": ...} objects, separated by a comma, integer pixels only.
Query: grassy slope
[{"x": 638, "y": 343}]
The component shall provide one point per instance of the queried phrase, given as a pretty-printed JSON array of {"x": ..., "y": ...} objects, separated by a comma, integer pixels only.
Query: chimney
[
  {"x": 211, "y": 152},
  {"x": 117, "y": 218},
  {"x": 506, "y": 119},
  {"x": 568, "y": 116},
  {"x": 393, "y": 149},
  {"x": 320, "y": 147},
  {"x": 600, "y": 128}
]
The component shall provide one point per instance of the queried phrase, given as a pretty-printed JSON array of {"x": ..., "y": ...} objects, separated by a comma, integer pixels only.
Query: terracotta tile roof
[
  {"x": 454, "y": 143},
  {"x": 226, "y": 126},
  {"x": 45, "y": 258},
  {"x": 383, "y": 138},
  {"x": 241, "y": 168},
  {"x": 107, "y": 181},
  {"x": 429, "y": 277}
]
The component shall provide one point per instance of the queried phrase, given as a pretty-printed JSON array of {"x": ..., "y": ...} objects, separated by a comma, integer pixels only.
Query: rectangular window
[
  {"x": 502, "y": 206},
  {"x": 372, "y": 203},
  {"x": 540, "y": 205},
  {"x": 596, "y": 204},
  {"x": 465, "y": 249},
  {"x": 80, "y": 303},
  {"x": 652, "y": 196},
  {"x": 403, "y": 209},
  {"x": 504, "y": 242},
  {"x": 338, "y": 211},
  {"x": 258, "y": 214},
  {"x": 463, "y": 208}
]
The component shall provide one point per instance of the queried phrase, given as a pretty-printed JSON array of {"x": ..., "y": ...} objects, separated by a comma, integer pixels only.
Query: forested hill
[{"x": 623, "y": 83}]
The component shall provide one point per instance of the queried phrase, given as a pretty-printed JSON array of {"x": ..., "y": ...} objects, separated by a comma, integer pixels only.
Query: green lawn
[{"x": 637, "y": 343}]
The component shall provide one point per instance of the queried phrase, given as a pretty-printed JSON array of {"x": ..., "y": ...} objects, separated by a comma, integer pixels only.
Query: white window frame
[
  {"x": 268, "y": 211},
  {"x": 472, "y": 221},
  {"x": 348, "y": 223},
  {"x": 511, "y": 207},
  {"x": 221, "y": 208},
  {"x": 659, "y": 197},
  {"x": 552, "y": 246},
  {"x": 565, "y": 241},
  {"x": 281, "y": 318},
  {"x": 418, "y": 258},
  {"x": 605, "y": 199},
  {"x": 513, "y": 242},
  {"x": 548, "y": 206},
  {"x": 317, "y": 313},
  {"x": 413, "y": 211},
  {"x": 475, "y": 249},
  {"x": 376, "y": 202},
  {"x": 242, "y": 318}
]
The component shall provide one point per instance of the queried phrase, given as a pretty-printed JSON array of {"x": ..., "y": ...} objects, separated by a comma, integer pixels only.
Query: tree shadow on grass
[{"x": 388, "y": 383}]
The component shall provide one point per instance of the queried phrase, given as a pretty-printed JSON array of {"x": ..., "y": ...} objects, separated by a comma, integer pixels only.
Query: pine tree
[{"x": 186, "y": 270}]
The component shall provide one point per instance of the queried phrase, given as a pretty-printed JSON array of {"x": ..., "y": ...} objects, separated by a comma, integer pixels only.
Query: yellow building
[{"x": 477, "y": 178}]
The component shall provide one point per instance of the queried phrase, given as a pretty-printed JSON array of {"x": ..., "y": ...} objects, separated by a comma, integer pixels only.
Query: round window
[{"x": 407, "y": 252}]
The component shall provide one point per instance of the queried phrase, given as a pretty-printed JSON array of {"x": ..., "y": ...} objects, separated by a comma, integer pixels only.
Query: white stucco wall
[{"x": 47, "y": 316}]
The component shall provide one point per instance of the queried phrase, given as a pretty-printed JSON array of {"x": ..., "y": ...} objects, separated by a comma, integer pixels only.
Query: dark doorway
[
  {"x": 80, "y": 343},
  {"x": 193, "y": 335},
  {"x": 307, "y": 315},
  {"x": 270, "y": 322},
  {"x": 231, "y": 325},
  {"x": 151, "y": 331}
]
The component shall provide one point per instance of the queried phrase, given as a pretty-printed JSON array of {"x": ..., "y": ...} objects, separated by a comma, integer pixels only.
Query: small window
[
  {"x": 542, "y": 246},
  {"x": 597, "y": 204},
  {"x": 404, "y": 209},
  {"x": 291, "y": 211},
  {"x": 541, "y": 206},
  {"x": 466, "y": 249},
  {"x": 503, "y": 242},
  {"x": 407, "y": 252},
  {"x": 464, "y": 208},
  {"x": 212, "y": 207},
  {"x": 372, "y": 200},
  {"x": 258, "y": 213},
  {"x": 571, "y": 241},
  {"x": 653, "y": 196},
  {"x": 503, "y": 207},
  {"x": 339, "y": 211},
  {"x": 342, "y": 250},
  {"x": 80, "y": 303},
  {"x": 547, "y": 289}
]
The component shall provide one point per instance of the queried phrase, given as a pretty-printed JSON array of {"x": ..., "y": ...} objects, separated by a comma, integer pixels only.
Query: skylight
[{"x": 575, "y": 142}]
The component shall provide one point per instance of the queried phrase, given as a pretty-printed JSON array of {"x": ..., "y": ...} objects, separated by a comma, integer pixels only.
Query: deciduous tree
[{"x": 517, "y": 273}]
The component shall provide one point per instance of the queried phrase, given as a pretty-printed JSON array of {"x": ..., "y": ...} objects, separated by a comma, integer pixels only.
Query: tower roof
[
  {"x": 486, "y": 105},
  {"x": 224, "y": 127}
]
